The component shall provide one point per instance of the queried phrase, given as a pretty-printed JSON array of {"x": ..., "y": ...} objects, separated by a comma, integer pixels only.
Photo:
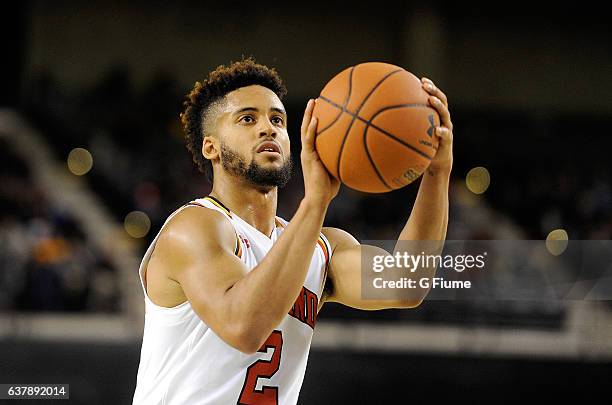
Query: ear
[{"x": 210, "y": 147}]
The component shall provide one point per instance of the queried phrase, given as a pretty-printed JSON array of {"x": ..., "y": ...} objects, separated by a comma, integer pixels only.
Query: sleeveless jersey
[{"x": 183, "y": 361}]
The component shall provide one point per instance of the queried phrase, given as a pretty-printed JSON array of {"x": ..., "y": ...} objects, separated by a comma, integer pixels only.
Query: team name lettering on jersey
[{"x": 305, "y": 307}]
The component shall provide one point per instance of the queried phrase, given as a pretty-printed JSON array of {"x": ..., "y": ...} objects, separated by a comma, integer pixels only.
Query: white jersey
[{"x": 183, "y": 361}]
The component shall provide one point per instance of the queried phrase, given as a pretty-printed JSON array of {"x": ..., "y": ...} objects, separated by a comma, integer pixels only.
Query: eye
[
  {"x": 278, "y": 120},
  {"x": 247, "y": 119}
]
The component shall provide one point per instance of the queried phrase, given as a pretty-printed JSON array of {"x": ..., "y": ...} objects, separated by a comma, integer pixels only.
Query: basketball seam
[
  {"x": 390, "y": 135},
  {"x": 367, "y": 149},
  {"x": 346, "y": 101},
  {"x": 356, "y": 115},
  {"x": 370, "y": 124}
]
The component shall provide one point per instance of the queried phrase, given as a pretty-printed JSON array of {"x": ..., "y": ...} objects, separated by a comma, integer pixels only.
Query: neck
[{"x": 255, "y": 205}]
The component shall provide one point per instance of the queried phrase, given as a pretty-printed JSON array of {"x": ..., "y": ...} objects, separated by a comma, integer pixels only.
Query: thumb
[
  {"x": 445, "y": 136},
  {"x": 308, "y": 140}
]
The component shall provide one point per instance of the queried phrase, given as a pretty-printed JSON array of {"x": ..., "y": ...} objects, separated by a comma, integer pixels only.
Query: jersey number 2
[{"x": 264, "y": 369}]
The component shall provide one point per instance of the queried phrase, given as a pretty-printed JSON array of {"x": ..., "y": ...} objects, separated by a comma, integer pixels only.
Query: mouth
[{"x": 269, "y": 147}]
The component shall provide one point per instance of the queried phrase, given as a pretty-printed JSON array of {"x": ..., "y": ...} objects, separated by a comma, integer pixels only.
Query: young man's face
[{"x": 252, "y": 131}]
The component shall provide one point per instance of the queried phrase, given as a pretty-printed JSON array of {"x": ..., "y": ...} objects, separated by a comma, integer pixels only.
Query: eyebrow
[{"x": 245, "y": 109}]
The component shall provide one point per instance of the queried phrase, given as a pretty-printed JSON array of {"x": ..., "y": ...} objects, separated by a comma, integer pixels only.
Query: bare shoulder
[
  {"x": 338, "y": 237},
  {"x": 185, "y": 240},
  {"x": 193, "y": 226}
]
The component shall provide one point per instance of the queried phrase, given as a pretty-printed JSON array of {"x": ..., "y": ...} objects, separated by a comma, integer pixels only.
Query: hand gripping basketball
[
  {"x": 318, "y": 183},
  {"x": 443, "y": 159}
]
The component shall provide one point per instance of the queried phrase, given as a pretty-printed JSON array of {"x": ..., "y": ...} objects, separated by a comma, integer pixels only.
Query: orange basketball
[{"x": 375, "y": 127}]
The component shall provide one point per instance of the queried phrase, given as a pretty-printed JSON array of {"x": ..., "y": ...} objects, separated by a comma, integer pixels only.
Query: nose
[{"x": 266, "y": 129}]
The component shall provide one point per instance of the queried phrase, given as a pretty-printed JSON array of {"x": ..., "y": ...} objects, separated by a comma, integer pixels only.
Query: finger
[
  {"x": 445, "y": 134},
  {"x": 308, "y": 139},
  {"x": 431, "y": 88},
  {"x": 307, "y": 116},
  {"x": 442, "y": 111}
]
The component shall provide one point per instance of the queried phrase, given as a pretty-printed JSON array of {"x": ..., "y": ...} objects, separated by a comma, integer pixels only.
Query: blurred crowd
[
  {"x": 46, "y": 261},
  {"x": 140, "y": 163},
  {"x": 548, "y": 171}
]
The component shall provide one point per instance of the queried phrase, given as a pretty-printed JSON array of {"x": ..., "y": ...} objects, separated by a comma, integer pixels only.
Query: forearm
[
  {"x": 425, "y": 231},
  {"x": 429, "y": 217},
  {"x": 261, "y": 299}
]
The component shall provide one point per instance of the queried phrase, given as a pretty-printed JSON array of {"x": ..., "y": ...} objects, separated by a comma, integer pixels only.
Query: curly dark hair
[{"x": 222, "y": 80}]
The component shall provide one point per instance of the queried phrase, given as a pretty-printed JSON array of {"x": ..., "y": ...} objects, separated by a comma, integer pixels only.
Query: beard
[{"x": 235, "y": 164}]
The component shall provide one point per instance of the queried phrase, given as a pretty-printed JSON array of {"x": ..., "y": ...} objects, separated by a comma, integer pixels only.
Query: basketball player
[{"x": 231, "y": 290}]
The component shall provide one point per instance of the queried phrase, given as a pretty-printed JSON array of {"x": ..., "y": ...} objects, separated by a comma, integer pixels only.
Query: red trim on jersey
[
  {"x": 326, "y": 254},
  {"x": 219, "y": 204}
]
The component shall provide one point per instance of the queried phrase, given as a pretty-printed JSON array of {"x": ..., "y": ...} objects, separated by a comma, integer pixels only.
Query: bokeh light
[
  {"x": 556, "y": 242},
  {"x": 80, "y": 161},
  {"x": 478, "y": 180},
  {"x": 137, "y": 224}
]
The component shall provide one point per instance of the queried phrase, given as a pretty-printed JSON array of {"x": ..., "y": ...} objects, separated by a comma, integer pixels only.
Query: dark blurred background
[{"x": 93, "y": 161}]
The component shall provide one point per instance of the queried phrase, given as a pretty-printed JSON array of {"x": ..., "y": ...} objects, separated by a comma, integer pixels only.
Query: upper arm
[
  {"x": 345, "y": 273},
  {"x": 196, "y": 248}
]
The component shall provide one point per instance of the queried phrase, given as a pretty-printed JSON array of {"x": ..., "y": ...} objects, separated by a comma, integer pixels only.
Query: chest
[{"x": 254, "y": 247}]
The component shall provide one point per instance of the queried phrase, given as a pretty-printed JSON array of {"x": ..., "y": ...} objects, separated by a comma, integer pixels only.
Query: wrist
[
  {"x": 441, "y": 171},
  {"x": 315, "y": 203}
]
